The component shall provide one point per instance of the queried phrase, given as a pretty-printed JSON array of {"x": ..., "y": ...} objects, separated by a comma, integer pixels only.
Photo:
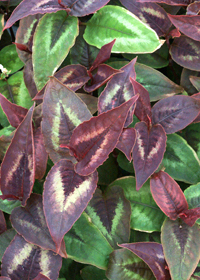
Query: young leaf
[
  {"x": 190, "y": 216},
  {"x": 168, "y": 195},
  {"x": 148, "y": 151},
  {"x": 181, "y": 246},
  {"x": 63, "y": 110},
  {"x": 93, "y": 140},
  {"x": 66, "y": 195},
  {"x": 152, "y": 254},
  {"x": 114, "y": 22},
  {"x": 175, "y": 112},
  {"x": 18, "y": 166},
  {"x": 44, "y": 261},
  {"x": 127, "y": 141},
  {"x": 110, "y": 213}
]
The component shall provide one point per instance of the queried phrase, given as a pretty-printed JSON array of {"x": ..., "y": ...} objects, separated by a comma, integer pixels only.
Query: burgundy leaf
[
  {"x": 152, "y": 254},
  {"x": 41, "y": 155},
  {"x": 41, "y": 277},
  {"x": 30, "y": 222},
  {"x": 187, "y": 24},
  {"x": 66, "y": 195},
  {"x": 3, "y": 226},
  {"x": 22, "y": 47},
  {"x": 103, "y": 74},
  {"x": 169, "y": 2},
  {"x": 122, "y": 90},
  {"x": 190, "y": 216},
  {"x": 14, "y": 113},
  {"x": 18, "y": 166},
  {"x": 168, "y": 195},
  {"x": 175, "y": 113},
  {"x": 193, "y": 8},
  {"x": 93, "y": 140},
  {"x": 23, "y": 260},
  {"x": 143, "y": 106},
  {"x": 148, "y": 151},
  {"x": 151, "y": 14},
  {"x": 127, "y": 141},
  {"x": 174, "y": 33}
]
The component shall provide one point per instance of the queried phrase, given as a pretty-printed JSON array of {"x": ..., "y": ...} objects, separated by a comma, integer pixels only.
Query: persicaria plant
[{"x": 100, "y": 139}]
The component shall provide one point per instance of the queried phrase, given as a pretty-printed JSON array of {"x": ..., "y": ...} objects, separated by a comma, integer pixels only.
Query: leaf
[
  {"x": 10, "y": 60},
  {"x": 43, "y": 261},
  {"x": 110, "y": 213},
  {"x": 188, "y": 25},
  {"x": 190, "y": 216},
  {"x": 29, "y": 221},
  {"x": 183, "y": 241},
  {"x": 5, "y": 239},
  {"x": 195, "y": 81},
  {"x": 52, "y": 32},
  {"x": 3, "y": 226},
  {"x": 127, "y": 141},
  {"x": 19, "y": 163},
  {"x": 118, "y": 90},
  {"x": 1, "y": 24},
  {"x": 40, "y": 276},
  {"x": 185, "y": 80},
  {"x": 148, "y": 151},
  {"x": 180, "y": 160},
  {"x": 29, "y": 78},
  {"x": 185, "y": 51},
  {"x": 168, "y": 195},
  {"x": 85, "y": 243},
  {"x": 192, "y": 194},
  {"x": 8, "y": 205},
  {"x": 90, "y": 101},
  {"x": 108, "y": 171},
  {"x": 170, "y": 2},
  {"x": 123, "y": 264},
  {"x": 63, "y": 110},
  {"x": 93, "y": 140},
  {"x": 175, "y": 112},
  {"x": 151, "y": 14},
  {"x": 193, "y": 8},
  {"x": 114, "y": 22},
  {"x": 145, "y": 214},
  {"x": 91, "y": 272},
  {"x": 66, "y": 195},
  {"x": 152, "y": 254}
]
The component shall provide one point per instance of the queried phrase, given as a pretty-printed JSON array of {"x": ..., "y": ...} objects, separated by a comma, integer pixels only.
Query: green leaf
[
  {"x": 1, "y": 24},
  {"x": 8, "y": 205},
  {"x": 54, "y": 36},
  {"x": 180, "y": 160},
  {"x": 181, "y": 245},
  {"x": 10, "y": 60},
  {"x": 192, "y": 195},
  {"x": 108, "y": 171},
  {"x": 85, "y": 243},
  {"x": 5, "y": 239},
  {"x": 91, "y": 272},
  {"x": 146, "y": 216},
  {"x": 124, "y": 163},
  {"x": 125, "y": 265},
  {"x": 6, "y": 131},
  {"x": 131, "y": 34}
]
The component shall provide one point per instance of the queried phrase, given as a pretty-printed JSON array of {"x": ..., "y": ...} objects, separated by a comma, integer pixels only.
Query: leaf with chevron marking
[
  {"x": 118, "y": 90},
  {"x": 175, "y": 112},
  {"x": 41, "y": 276},
  {"x": 63, "y": 110},
  {"x": 168, "y": 195},
  {"x": 110, "y": 213},
  {"x": 18, "y": 166},
  {"x": 44, "y": 261},
  {"x": 152, "y": 254},
  {"x": 127, "y": 141},
  {"x": 29, "y": 221},
  {"x": 66, "y": 195},
  {"x": 93, "y": 140},
  {"x": 148, "y": 151},
  {"x": 14, "y": 113},
  {"x": 184, "y": 242},
  {"x": 3, "y": 226}
]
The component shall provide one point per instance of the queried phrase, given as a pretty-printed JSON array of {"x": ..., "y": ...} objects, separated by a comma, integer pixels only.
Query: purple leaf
[
  {"x": 193, "y": 8},
  {"x": 127, "y": 141},
  {"x": 170, "y": 2}
]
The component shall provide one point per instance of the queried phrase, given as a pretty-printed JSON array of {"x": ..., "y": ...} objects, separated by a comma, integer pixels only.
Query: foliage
[{"x": 99, "y": 139}]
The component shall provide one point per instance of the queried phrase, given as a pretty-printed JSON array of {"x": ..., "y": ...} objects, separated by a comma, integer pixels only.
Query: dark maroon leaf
[
  {"x": 169, "y": 2},
  {"x": 168, "y": 195},
  {"x": 152, "y": 254},
  {"x": 41, "y": 277},
  {"x": 187, "y": 24},
  {"x": 174, "y": 33},
  {"x": 122, "y": 90},
  {"x": 29, "y": 78},
  {"x": 93, "y": 140},
  {"x": 22, "y": 47},
  {"x": 14, "y": 113},
  {"x": 127, "y": 141},
  {"x": 30, "y": 222},
  {"x": 66, "y": 195},
  {"x": 175, "y": 113},
  {"x": 190, "y": 216},
  {"x": 186, "y": 52},
  {"x": 148, "y": 151},
  {"x": 23, "y": 260},
  {"x": 143, "y": 106},
  {"x": 18, "y": 166},
  {"x": 193, "y": 8},
  {"x": 3, "y": 226},
  {"x": 103, "y": 74},
  {"x": 151, "y": 14}
]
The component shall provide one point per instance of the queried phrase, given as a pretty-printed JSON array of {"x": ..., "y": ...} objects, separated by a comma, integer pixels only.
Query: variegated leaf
[
  {"x": 23, "y": 260},
  {"x": 18, "y": 166},
  {"x": 127, "y": 141},
  {"x": 148, "y": 151},
  {"x": 63, "y": 110},
  {"x": 66, "y": 195},
  {"x": 93, "y": 140}
]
